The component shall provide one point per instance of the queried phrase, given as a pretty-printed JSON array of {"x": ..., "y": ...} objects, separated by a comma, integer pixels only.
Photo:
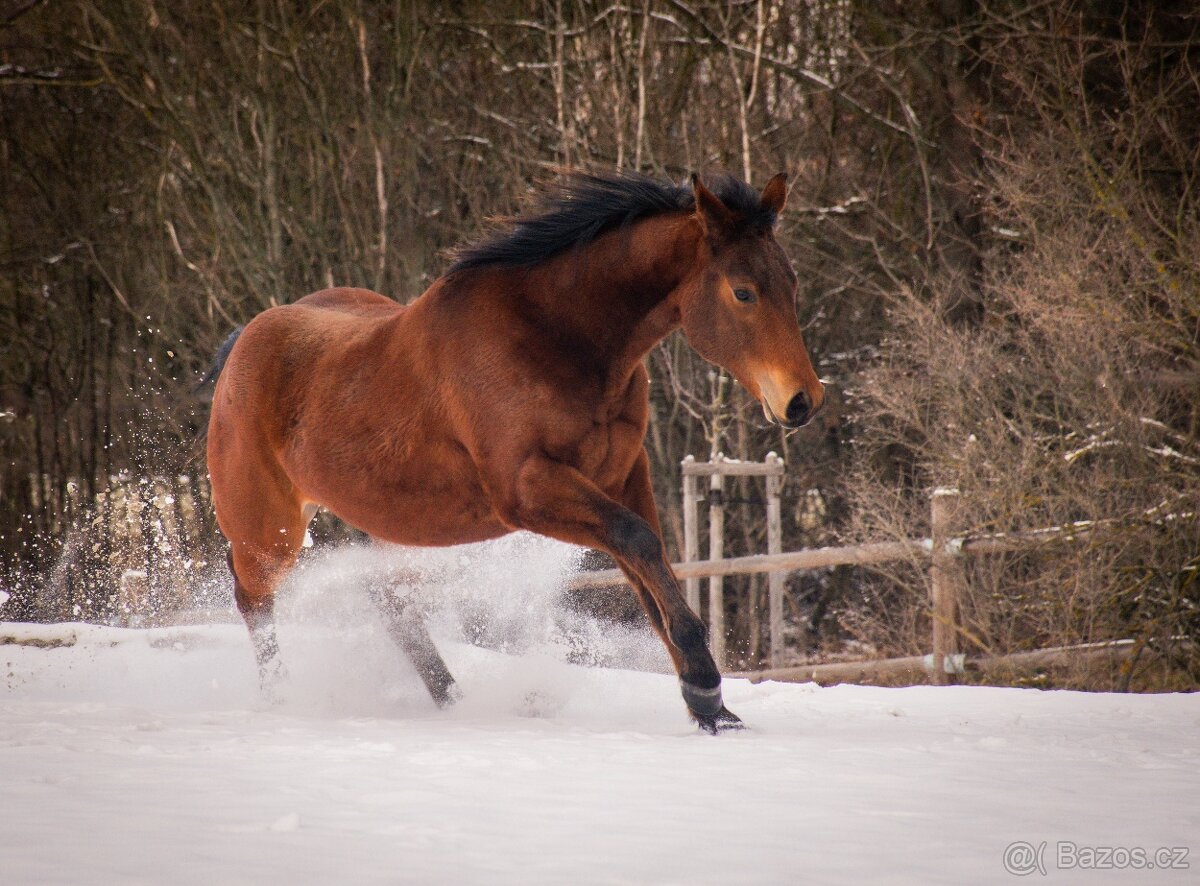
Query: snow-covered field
[{"x": 146, "y": 756}]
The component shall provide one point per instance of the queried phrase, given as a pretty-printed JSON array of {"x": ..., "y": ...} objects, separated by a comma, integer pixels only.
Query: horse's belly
[
  {"x": 432, "y": 524},
  {"x": 417, "y": 516},
  {"x": 434, "y": 499}
]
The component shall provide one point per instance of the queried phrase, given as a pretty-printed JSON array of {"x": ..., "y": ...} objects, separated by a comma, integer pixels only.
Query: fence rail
[
  {"x": 789, "y": 561},
  {"x": 848, "y": 555},
  {"x": 914, "y": 667}
]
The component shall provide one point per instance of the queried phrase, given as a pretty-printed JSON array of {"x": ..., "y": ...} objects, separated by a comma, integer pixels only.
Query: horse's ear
[
  {"x": 713, "y": 214},
  {"x": 774, "y": 195}
]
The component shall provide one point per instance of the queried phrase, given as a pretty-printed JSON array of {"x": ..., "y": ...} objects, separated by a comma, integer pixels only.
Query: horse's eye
[{"x": 744, "y": 295}]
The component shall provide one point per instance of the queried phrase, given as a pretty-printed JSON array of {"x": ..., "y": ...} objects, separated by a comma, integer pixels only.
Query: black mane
[{"x": 583, "y": 206}]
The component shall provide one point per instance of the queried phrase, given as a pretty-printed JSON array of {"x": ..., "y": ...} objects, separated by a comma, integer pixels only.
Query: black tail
[
  {"x": 204, "y": 387},
  {"x": 218, "y": 363}
]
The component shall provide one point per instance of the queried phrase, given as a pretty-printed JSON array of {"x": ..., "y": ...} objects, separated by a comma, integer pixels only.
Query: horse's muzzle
[
  {"x": 794, "y": 411},
  {"x": 799, "y": 411}
]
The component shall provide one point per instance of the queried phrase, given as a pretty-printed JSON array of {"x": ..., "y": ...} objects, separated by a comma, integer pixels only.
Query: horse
[{"x": 511, "y": 395}]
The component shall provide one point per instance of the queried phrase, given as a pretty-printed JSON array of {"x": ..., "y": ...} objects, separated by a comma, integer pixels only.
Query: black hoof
[{"x": 723, "y": 720}]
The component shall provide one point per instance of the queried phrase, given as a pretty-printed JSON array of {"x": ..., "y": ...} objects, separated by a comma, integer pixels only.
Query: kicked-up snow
[{"x": 147, "y": 756}]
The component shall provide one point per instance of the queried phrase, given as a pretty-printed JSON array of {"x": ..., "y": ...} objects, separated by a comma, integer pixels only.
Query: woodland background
[{"x": 993, "y": 217}]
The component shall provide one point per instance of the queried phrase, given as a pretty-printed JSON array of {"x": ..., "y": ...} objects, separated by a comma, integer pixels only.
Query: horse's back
[{"x": 350, "y": 300}]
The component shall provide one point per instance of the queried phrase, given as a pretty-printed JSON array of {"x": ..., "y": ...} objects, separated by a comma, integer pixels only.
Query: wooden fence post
[
  {"x": 716, "y": 551},
  {"x": 775, "y": 546},
  {"x": 691, "y": 534},
  {"x": 946, "y": 581}
]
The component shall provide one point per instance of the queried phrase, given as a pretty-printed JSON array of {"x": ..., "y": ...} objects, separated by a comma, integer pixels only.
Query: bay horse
[{"x": 510, "y": 395}]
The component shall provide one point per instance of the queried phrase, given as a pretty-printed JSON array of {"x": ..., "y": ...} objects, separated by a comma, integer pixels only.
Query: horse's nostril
[{"x": 798, "y": 409}]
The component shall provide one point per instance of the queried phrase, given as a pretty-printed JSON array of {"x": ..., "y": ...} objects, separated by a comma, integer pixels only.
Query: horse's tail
[
  {"x": 210, "y": 377},
  {"x": 203, "y": 389}
]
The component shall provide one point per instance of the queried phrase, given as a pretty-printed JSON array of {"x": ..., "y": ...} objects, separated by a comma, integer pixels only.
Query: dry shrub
[{"x": 1071, "y": 403}]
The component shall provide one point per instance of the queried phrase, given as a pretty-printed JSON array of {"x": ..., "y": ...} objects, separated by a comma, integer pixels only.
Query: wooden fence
[
  {"x": 717, "y": 470},
  {"x": 945, "y": 551}
]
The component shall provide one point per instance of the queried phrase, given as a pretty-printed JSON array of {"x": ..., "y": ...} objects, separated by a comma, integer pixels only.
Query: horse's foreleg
[
  {"x": 406, "y": 625},
  {"x": 705, "y": 705},
  {"x": 554, "y": 499},
  {"x": 639, "y": 498}
]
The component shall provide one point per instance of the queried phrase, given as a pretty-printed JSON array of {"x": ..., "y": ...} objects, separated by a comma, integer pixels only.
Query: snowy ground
[{"x": 147, "y": 757}]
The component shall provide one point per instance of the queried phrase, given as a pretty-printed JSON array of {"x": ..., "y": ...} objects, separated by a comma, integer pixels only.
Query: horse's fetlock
[{"x": 702, "y": 700}]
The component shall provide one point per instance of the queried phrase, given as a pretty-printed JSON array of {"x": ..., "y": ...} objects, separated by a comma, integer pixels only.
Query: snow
[{"x": 138, "y": 756}]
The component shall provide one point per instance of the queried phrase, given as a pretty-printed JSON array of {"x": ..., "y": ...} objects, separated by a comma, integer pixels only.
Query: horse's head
[{"x": 739, "y": 308}]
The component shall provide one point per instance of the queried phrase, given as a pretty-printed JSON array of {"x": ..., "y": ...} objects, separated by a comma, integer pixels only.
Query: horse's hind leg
[
  {"x": 406, "y": 625},
  {"x": 265, "y": 534},
  {"x": 259, "y": 614}
]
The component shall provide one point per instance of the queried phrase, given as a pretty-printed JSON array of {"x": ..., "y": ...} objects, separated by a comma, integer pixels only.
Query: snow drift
[{"x": 147, "y": 756}]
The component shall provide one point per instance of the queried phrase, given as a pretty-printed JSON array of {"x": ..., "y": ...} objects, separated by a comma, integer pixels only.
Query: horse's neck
[{"x": 617, "y": 293}]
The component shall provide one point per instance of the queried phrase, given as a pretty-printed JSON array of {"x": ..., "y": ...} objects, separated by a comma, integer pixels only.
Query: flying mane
[{"x": 580, "y": 208}]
